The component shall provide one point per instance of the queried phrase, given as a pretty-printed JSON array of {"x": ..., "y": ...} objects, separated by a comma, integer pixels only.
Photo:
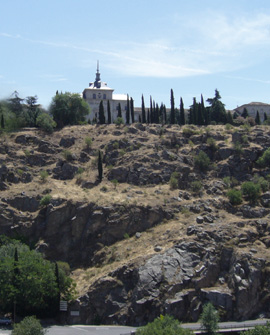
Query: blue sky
[{"x": 143, "y": 47}]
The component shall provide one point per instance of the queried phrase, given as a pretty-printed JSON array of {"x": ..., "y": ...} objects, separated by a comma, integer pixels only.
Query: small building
[
  {"x": 252, "y": 109},
  {"x": 99, "y": 91}
]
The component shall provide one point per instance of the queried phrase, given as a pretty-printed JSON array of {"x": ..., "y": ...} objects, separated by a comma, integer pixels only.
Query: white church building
[{"x": 100, "y": 91}]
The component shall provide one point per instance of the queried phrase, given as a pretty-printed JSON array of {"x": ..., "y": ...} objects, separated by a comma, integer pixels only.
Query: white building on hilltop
[
  {"x": 252, "y": 109},
  {"x": 99, "y": 91}
]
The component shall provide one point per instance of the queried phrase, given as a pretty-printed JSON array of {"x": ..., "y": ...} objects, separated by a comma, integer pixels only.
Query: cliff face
[{"x": 139, "y": 245}]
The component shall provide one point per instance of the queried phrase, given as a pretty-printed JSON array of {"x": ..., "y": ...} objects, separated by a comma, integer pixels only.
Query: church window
[
  {"x": 104, "y": 96},
  {"x": 94, "y": 96}
]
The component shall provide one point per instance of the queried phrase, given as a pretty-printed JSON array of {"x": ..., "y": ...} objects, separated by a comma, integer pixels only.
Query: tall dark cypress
[
  {"x": 257, "y": 118},
  {"x": 165, "y": 114},
  {"x": 151, "y": 111},
  {"x": 200, "y": 120},
  {"x": 182, "y": 113},
  {"x": 109, "y": 112},
  {"x": 132, "y": 110},
  {"x": 2, "y": 122},
  {"x": 172, "y": 115},
  {"x": 100, "y": 167},
  {"x": 101, "y": 115},
  {"x": 143, "y": 111},
  {"x": 119, "y": 114},
  {"x": 265, "y": 117},
  {"x": 127, "y": 111},
  {"x": 148, "y": 116}
]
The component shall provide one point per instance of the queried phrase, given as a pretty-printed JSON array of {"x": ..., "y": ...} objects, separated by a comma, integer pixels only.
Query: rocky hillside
[{"x": 158, "y": 234}]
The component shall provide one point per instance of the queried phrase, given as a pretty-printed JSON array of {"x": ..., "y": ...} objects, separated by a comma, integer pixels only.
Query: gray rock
[
  {"x": 199, "y": 219},
  {"x": 67, "y": 142}
]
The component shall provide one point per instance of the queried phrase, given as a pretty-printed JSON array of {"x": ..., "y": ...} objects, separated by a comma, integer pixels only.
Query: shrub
[
  {"x": 173, "y": 182},
  {"x": 202, "y": 161},
  {"x": 119, "y": 121},
  {"x": 115, "y": 183},
  {"x": 212, "y": 143},
  {"x": 251, "y": 191},
  {"x": 28, "y": 326},
  {"x": 43, "y": 175},
  {"x": 67, "y": 155},
  {"x": 196, "y": 186},
  {"x": 45, "y": 200},
  {"x": 88, "y": 142},
  {"x": 163, "y": 325},
  {"x": 238, "y": 148},
  {"x": 264, "y": 160},
  {"x": 46, "y": 122},
  {"x": 235, "y": 196},
  {"x": 227, "y": 181}
]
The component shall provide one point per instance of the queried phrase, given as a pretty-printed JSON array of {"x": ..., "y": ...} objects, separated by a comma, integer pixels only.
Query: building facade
[
  {"x": 99, "y": 91},
  {"x": 252, "y": 109}
]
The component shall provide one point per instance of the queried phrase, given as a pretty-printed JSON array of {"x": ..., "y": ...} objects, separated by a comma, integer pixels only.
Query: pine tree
[
  {"x": 143, "y": 111},
  {"x": 257, "y": 118},
  {"x": 127, "y": 111},
  {"x": 109, "y": 116},
  {"x": 217, "y": 109},
  {"x": 182, "y": 113},
  {"x": 100, "y": 167},
  {"x": 172, "y": 115},
  {"x": 132, "y": 110},
  {"x": 101, "y": 115}
]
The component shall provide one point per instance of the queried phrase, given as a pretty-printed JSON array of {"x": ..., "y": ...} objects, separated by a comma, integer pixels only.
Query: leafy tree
[
  {"x": 209, "y": 319},
  {"x": 68, "y": 109},
  {"x": 217, "y": 109},
  {"x": 143, "y": 111},
  {"x": 264, "y": 160},
  {"x": 259, "y": 330},
  {"x": 257, "y": 118},
  {"x": 101, "y": 115},
  {"x": 163, "y": 325},
  {"x": 172, "y": 115},
  {"x": 235, "y": 196},
  {"x": 251, "y": 191},
  {"x": 182, "y": 113},
  {"x": 202, "y": 161},
  {"x": 45, "y": 122},
  {"x": 28, "y": 326},
  {"x": 109, "y": 112},
  {"x": 100, "y": 167}
]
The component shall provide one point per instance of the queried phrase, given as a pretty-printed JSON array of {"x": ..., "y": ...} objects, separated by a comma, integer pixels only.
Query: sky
[{"x": 143, "y": 46}]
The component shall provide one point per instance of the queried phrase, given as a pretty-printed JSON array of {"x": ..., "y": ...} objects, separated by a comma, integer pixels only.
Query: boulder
[{"x": 67, "y": 142}]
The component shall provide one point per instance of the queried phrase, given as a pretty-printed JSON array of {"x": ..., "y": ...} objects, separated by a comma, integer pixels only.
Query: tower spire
[
  {"x": 98, "y": 66},
  {"x": 97, "y": 81}
]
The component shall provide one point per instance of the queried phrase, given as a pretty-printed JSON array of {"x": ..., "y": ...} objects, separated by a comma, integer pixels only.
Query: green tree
[
  {"x": 259, "y": 330},
  {"x": 132, "y": 110},
  {"x": 68, "y": 109},
  {"x": 143, "y": 111},
  {"x": 235, "y": 196},
  {"x": 28, "y": 326},
  {"x": 109, "y": 112},
  {"x": 32, "y": 110},
  {"x": 257, "y": 118},
  {"x": 202, "y": 161},
  {"x": 251, "y": 191},
  {"x": 15, "y": 104},
  {"x": 128, "y": 111},
  {"x": 182, "y": 113},
  {"x": 163, "y": 325},
  {"x": 100, "y": 166},
  {"x": 45, "y": 122},
  {"x": 217, "y": 109},
  {"x": 119, "y": 111},
  {"x": 2, "y": 122},
  {"x": 245, "y": 113},
  {"x": 264, "y": 160},
  {"x": 172, "y": 114},
  {"x": 209, "y": 319},
  {"x": 101, "y": 115}
]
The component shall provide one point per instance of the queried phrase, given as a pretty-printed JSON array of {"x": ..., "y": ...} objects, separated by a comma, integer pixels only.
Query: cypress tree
[
  {"x": 119, "y": 114},
  {"x": 100, "y": 167},
  {"x": 257, "y": 118},
  {"x": 172, "y": 115},
  {"x": 245, "y": 113},
  {"x": 143, "y": 111},
  {"x": 109, "y": 112},
  {"x": 204, "y": 112},
  {"x": 157, "y": 114},
  {"x": 132, "y": 110},
  {"x": 127, "y": 111},
  {"x": 140, "y": 119},
  {"x": 165, "y": 114},
  {"x": 151, "y": 111},
  {"x": 229, "y": 117},
  {"x": 148, "y": 116},
  {"x": 182, "y": 113},
  {"x": 2, "y": 122},
  {"x": 200, "y": 115},
  {"x": 265, "y": 116},
  {"x": 101, "y": 115}
]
